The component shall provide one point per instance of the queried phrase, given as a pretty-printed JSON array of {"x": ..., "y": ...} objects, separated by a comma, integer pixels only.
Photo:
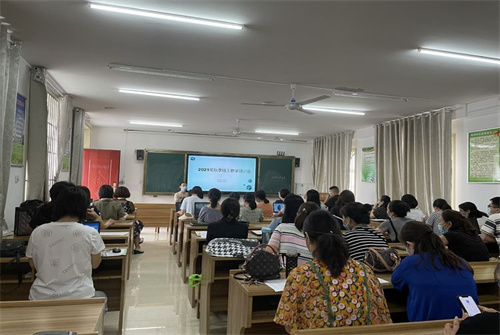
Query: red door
[{"x": 100, "y": 167}]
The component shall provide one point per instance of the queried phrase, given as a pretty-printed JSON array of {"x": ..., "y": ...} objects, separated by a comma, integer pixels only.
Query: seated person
[
  {"x": 380, "y": 208},
  {"x": 264, "y": 204},
  {"x": 282, "y": 193},
  {"x": 396, "y": 211},
  {"x": 485, "y": 323},
  {"x": 415, "y": 214},
  {"x": 359, "y": 235},
  {"x": 461, "y": 237},
  {"x": 211, "y": 212},
  {"x": 344, "y": 198},
  {"x": 183, "y": 193},
  {"x": 228, "y": 226},
  {"x": 432, "y": 275},
  {"x": 332, "y": 290},
  {"x": 187, "y": 205},
  {"x": 64, "y": 252},
  {"x": 471, "y": 213},
  {"x": 288, "y": 237},
  {"x": 333, "y": 195},
  {"x": 439, "y": 205},
  {"x": 490, "y": 231},
  {"x": 110, "y": 209},
  {"x": 121, "y": 195},
  {"x": 249, "y": 212},
  {"x": 234, "y": 195},
  {"x": 313, "y": 196},
  {"x": 43, "y": 214}
]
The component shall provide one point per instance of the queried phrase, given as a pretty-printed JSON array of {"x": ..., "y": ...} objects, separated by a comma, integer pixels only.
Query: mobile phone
[{"x": 468, "y": 305}]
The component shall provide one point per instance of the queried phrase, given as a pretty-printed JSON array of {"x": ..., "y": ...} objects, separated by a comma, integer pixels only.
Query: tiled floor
[{"x": 155, "y": 297}]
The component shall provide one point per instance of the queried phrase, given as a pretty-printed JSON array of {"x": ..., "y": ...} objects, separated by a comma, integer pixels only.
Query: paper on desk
[
  {"x": 110, "y": 253},
  {"x": 278, "y": 285},
  {"x": 257, "y": 232},
  {"x": 382, "y": 281},
  {"x": 202, "y": 234},
  {"x": 114, "y": 233}
]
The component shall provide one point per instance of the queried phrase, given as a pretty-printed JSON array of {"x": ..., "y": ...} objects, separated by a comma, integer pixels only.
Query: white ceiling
[{"x": 358, "y": 44}]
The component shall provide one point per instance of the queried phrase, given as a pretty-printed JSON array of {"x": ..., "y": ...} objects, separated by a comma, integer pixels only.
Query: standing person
[
  {"x": 264, "y": 204},
  {"x": 439, "y": 205},
  {"x": 43, "y": 214},
  {"x": 228, "y": 226},
  {"x": 360, "y": 236},
  {"x": 109, "y": 208},
  {"x": 432, "y": 275},
  {"x": 396, "y": 211},
  {"x": 490, "y": 231},
  {"x": 380, "y": 208},
  {"x": 249, "y": 212},
  {"x": 333, "y": 195},
  {"x": 211, "y": 212},
  {"x": 183, "y": 193},
  {"x": 471, "y": 213},
  {"x": 415, "y": 213},
  {"x": 461, "y": 237},
  {"x": 187, "y": 205},
  {"x": 121, "y": 195},
  {"x": 332, "y": 290},
  {"x": 64, "y": 252}
]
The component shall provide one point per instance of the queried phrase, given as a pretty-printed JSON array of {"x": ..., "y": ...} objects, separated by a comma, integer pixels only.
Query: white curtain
[
  {"x": 9, "y": 76},
  {"x": 64, "y": 130},
  {"x": 75, "y": 173},
  {"x": 37, "y": 171},
  {"x": 331, "y": 159},
  {"x": 413, "y": 155}
]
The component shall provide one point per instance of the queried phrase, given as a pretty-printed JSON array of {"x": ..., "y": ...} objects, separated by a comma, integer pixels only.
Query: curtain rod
[{"x": 422, "y": 114}]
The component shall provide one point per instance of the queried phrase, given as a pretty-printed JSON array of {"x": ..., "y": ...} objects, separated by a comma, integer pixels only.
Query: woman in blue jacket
[{"x": 432, "y": 275}]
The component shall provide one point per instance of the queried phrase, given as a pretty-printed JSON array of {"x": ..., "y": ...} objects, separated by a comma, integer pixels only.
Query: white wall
[
  {"x": 132, "y": 170},
  {"x": 365, "y": 192},
  {"x": 479, "y": 115},
  {"x": 15, "y": 194}
]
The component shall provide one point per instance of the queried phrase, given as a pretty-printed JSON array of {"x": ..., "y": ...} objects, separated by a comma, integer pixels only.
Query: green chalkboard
[
  {"x": 163, "y": 172},
  {"x": 276, "y": 173}
]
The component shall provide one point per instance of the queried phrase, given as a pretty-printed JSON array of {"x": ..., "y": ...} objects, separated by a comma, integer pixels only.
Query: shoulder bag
[
  {"x": 382, "y": 259},
  {"x": 263, "y": 265}
]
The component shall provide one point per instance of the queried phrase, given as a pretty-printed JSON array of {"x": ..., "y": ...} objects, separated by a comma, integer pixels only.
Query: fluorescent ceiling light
[
  {"x": 159, "y": 72},
  {"x": 459, "y": 55},
  {"x": 166, "y": 16},
  {"x": 160, "y": 124},
  {"x": 276, "y": 132},
  {"x": 331, "y": 110},
  {"x": 160, "y": 94},
  {"x": 361, "y": 95}
]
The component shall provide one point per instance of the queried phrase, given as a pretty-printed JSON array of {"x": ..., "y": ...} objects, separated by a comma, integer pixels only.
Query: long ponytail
[
  {"x": 214, "y": 196},
  {"x": 250, "y": 199}
]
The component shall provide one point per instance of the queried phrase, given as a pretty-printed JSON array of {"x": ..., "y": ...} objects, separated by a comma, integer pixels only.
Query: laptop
[
  {"x": 95, "y": 225},
  {"x": 197, "y": 208},
  {"x": 277, "y": 207}
]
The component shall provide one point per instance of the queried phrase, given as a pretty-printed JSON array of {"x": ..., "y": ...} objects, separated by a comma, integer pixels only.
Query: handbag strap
[
  {"x": 381, "y": 258},
  {"x": 331, "y": 317},
  {"x": 394, "y": 229},
  {"x": 368, "y": 321}
]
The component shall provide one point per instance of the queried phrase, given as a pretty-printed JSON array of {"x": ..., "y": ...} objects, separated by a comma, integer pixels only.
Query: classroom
[{"x": 375, "y": 97}]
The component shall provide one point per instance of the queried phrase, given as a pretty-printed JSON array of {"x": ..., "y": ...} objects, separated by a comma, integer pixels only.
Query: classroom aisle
[{"x": 155, "y": 297}]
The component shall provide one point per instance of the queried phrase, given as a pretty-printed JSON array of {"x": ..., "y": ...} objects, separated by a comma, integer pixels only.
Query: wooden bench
[
  {"x": 155, "y": 215},
  {"x": 402, "y": 328}
]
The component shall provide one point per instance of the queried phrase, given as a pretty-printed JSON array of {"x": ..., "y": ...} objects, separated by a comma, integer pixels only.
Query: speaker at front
[
  {"x": 139, "y": 154},
  {"x": 297, "y": 162}
]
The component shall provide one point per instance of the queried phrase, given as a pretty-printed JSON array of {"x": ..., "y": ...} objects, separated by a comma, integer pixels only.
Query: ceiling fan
[{"x": 294, "y": 105}]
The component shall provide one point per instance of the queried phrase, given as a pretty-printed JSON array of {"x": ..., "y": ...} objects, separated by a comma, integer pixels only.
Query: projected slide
[{"x": 228, "y": 174}]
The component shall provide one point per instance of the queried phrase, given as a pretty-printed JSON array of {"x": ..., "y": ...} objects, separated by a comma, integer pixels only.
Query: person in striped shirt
[
  {"x": 359, "y": 235},
  {"x": 288, "y": 237}
]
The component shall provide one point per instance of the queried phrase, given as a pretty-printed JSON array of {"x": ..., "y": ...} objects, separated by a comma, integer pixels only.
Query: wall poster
[
  {"x": 17, "y": 157},
  {"x": 368, "y": 165},
  {"x": 484, "y": 156}
]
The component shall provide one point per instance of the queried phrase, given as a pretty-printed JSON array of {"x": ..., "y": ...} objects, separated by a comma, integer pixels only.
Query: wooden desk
[
  {"x": 184, "y": 259},
  {"x": 155, "y": 215},
  {"x": 177, "y": 249},
  {"x": 128, "y": 225},
  {"x": 84, "y": 316}
]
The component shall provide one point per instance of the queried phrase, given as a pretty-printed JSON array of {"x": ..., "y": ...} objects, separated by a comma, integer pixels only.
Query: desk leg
[
  {"x": 130, "y": 250},
  {"x": 185, "y": 257},
  {"x": 180, "y": 231}
]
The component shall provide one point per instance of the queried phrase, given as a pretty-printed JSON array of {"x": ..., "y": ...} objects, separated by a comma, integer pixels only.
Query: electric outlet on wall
[{"x": 16, "y": 179}]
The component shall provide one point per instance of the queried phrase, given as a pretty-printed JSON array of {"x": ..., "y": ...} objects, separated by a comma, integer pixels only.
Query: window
[
  {"x": 52, "y": 137},
  {"x": 352, "y": 171}
]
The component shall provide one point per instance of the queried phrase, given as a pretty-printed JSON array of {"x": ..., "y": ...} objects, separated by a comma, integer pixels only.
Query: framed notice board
[
  {"x": 163, "y": 172},
  {"x": 276, "y": 173},
  {"x": 484, "y": 156}
]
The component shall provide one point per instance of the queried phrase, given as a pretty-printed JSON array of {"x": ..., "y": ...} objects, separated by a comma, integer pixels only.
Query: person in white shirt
[
  {"x": 188, "y": 203},
  {"x": 414, "y": 213},
  {"x": 64, "y": 252},
  {"x": 490, "y": 231}
]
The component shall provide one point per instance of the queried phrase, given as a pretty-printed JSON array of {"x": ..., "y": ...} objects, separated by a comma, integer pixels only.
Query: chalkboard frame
[{"x": 186, "y": 153}]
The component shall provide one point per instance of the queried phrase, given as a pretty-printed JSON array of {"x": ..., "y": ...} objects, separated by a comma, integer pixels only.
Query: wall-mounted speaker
[
  {"x": 139, "y": 154},
  {"x": 297, "y": 162}
]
